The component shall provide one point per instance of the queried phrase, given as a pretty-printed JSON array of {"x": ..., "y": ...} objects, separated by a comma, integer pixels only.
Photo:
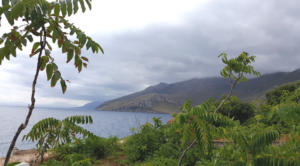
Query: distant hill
[
  {"x": 167, "y": 98},
  {"x": 90, "y": 106}
]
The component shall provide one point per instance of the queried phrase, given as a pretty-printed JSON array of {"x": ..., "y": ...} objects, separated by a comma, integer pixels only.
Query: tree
[
  {"x": 51, "y": 132},
  {"x": 235, "y": 70},
  {"x": 44, "y": 24}
]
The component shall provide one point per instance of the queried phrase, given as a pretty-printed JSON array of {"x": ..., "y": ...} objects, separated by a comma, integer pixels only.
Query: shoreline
[{"x": 26, "y": 155}]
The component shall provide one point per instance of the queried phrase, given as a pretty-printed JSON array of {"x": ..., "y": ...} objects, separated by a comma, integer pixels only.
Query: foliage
[
  {"x": 73, "y": 159},
  {"x": 51, "y": 132},
  {"x": 160, "y": 161},
  {"x": 237, "y": 68},
  {"x": 143, "y": 144},
  {"x": 278, "y": 95},
  {"x": 238, "y": 110},
  {"x": 47, "y": 22},
  {"x": 43, "y": 24},
  {"x": 200, "y": 123},
  {"x": 12, "y": 164},
  {"x": 210, "y": 135},
  {"x": 83, "y": 151},
  {"x": 94, "y": 147}
]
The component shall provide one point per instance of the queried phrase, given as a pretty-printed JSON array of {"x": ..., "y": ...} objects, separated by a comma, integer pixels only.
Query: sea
[{"x": 105, "y": 123}]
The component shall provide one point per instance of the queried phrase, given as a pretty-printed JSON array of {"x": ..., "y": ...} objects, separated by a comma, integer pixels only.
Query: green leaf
[
  {"x": 89, "y": 4},
  {"x": 70, "y": 55},
  {"x": 69, "y": 7},
  {"x": 35, "y": 46},
  {"x": 82, "y": 38},
  {"x": 63, "y": 8},
  {"x": 5, "y": 2},
  {"x": 29, "y": 37},
  {"x": 56, "y": 10},
  {"x": 49, "y": 71},
  {"x": 79, "y": 66},
  {"x": 4, "y": 52},
  {"x": 84, "y": 58},
  {"x": 78, "y": 63},
  {"x": 55, "y": 68},
  {"x": 56, "y": 76},
  {"x": 63, "y": 85},
  {"x": 44, "y": 61},
  {"x": 82, "y": 6},
  {"x": 75, "y": 5}
]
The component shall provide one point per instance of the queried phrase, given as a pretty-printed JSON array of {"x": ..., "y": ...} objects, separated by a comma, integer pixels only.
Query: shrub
[
  {"x": 168, "y": 150},
  {"x": 144, "y": 143},
  {"x": 276, "y": 95},
  {"x": 95, "y": 147},
  {"x": 237, "y": 109}
]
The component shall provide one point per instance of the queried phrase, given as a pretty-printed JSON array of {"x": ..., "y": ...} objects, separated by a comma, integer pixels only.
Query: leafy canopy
[
  {"x": 237, "y": 67},
  {"x": 51, "y": 132},
  {"x": 43, "y": 24}
]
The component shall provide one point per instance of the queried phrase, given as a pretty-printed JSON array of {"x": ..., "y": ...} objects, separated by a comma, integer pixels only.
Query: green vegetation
[
  {"x": 214, "y": 133},
  {"x": 238, "y": 110},
  {"x": 12, "y": 164},
  {"x": 50, "y": 132},
  {"x": 44, "y": 24}
]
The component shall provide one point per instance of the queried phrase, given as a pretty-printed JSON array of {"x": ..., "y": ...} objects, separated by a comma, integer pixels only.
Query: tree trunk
[{"x": 31, "y": 107}]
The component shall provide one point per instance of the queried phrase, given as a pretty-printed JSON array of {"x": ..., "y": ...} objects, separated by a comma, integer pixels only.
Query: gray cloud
[{"x": 136, "y": 59}]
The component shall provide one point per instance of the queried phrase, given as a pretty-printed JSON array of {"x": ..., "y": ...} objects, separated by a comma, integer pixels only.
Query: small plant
[{"x": 51, "y": 132}]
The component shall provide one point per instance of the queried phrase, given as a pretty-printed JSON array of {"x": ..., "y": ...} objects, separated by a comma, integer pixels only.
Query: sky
[{"x": 151, "y": 41}]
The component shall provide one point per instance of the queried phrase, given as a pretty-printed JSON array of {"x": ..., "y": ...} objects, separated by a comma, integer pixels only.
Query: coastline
[{"x": 27, "y": 155}]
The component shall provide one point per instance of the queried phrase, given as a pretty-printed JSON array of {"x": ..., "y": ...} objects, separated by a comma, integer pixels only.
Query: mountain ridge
[{"x": 168, "y": 98}]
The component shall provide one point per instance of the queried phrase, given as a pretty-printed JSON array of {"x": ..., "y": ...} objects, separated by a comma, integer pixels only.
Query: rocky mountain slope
[{"x": 167, "y": 98}]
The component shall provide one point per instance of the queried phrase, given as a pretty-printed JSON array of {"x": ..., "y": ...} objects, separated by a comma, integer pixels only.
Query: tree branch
[
  {"x": 31, "y": 107},
  {"x": 185, "y": 150}
]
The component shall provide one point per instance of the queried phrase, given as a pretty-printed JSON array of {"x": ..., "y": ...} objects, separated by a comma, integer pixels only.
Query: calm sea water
[{"x": 105, "y": 124}]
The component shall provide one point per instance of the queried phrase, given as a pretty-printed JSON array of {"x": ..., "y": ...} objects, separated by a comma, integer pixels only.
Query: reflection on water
[{"x": 106, "y": 123}]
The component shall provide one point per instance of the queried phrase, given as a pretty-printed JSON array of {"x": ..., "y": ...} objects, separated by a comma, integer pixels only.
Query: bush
[
  {"x": 95, "y": 147},
  {"x": 84, "y": 152},
  {"x": 168, "y": 150},
  {"x": 238, "y": 110},
  {"x": 98, "y": 147},
  {"x": 144, "y": 143},
  {"x": 276, "y": 95}
]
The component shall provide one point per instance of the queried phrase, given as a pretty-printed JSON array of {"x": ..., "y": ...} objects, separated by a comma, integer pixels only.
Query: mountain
[
  {"x": 168, "y": 98},
  {"x": 90, "y": 106}
]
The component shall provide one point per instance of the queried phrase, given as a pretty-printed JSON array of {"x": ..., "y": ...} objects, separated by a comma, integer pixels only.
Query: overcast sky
[{"x": 152, "y": 41}]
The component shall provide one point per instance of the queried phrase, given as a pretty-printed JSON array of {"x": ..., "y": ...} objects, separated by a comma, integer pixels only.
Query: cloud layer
[{"x": 168, "y": 52}]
